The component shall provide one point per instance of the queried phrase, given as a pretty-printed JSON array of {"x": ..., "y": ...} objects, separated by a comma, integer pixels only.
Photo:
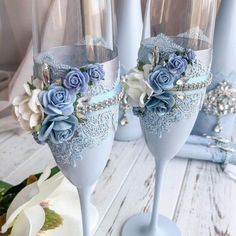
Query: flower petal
[
  {"x": 65, "y": 201},
  {"x": 47, "y": 188},
  {"x": 33, "y": 102},
  {"x": 19, "y": 203},
  {"x": 146, "y": 70},
  {"x": 62, "y": 125},
  {"x": 29, "y": 222},
  {"x": 44, "y": 176},
  {"x": 45, "y": 131},
  {"x": 38, "y": 83},
  {"x": 23, "y": 198},
  {"x": 16, "y": 111},
  {"x": 24, "y": 124},
  {"x": 51, "y": 110},
  {"x": 35, "y": 119},
  {"x": 18, "y": 100},
  {"x": 27, "y": 89}
]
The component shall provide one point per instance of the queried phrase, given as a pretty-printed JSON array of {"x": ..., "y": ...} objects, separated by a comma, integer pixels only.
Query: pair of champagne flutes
[{"x": 74, "y": 33}]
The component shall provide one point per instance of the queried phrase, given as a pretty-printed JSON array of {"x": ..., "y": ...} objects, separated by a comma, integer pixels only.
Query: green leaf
[
  {"x": 90, "y": 83},
  {"x": 175, "y": 106},
  {"x": 52, "y": 221},
  {"x": 5, "y": 202},
  {"x": 4, "y": 187},
  {"x": 54, "y": 171},
  {"x": 9, "y": 192},
  {"x": 37, "y": 128},
  {"x": 32, "y": 87},
  {"x": 82, "y": 69},
  {"x": 140, "y": 65},
  {"x": 82, "y": 119}
]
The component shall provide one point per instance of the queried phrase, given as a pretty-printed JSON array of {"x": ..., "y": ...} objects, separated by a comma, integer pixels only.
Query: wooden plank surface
[
  {"x": 197, "y": 195},
  {"x": 123, "y": 158},
  {"x": 137, "y": 193},
  {"x": 207, "y": 204}
]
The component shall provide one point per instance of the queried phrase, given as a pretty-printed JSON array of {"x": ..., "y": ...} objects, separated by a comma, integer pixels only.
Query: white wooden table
[{"x": 198, "y": 196}]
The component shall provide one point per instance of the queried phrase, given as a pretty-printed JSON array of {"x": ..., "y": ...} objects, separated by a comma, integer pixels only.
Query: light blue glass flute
[
  {"x": 167, "y": 122},
  {"x": 165, "y": 135},
  {"x": 76, "y": 34}
]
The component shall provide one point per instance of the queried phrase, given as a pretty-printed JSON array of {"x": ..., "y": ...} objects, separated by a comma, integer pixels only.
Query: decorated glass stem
[
  {"x": 130, "y": 24},
  {"x": 173, "y": 72},
  {"x": 72, "y": 101}
]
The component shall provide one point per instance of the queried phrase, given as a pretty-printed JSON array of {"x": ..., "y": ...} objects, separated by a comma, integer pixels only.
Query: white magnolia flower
[
  {"x": 26, "y": 214},
  {"x": 28, "y": 109},
  {"x": 136, "y": 87}
]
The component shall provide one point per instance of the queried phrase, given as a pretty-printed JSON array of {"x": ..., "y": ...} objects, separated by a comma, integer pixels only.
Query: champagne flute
[
  {"x": 172, "y": 27},
  {"x": 80, "y": 34}
]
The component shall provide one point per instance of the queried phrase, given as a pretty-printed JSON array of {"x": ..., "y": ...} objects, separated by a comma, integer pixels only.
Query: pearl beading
[
  {"x": 193, "y": 86},
  {"x": 101, "y": 105}
]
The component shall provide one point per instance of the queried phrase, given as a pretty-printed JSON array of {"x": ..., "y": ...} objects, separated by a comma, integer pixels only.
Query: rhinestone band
[
  {"x": 193, "y": 86},
  {"x": 101, "y": 105}
]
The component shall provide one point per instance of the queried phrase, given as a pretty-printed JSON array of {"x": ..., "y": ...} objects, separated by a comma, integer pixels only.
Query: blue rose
[
  {"x": 58, "y": 128},
  {"x": 95, "y": 72},
  {"x": 191, "y": 56},
  {"x": 161, "y": 79},
  {"x": 161, "y": 103},
  {"x": 76, "y": 80},
  {"x": 177, "y": 64},
  {"x": 57, "y": 101}
]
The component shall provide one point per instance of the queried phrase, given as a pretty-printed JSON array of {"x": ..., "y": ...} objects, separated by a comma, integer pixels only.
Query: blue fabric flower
[
  {"x": 161, "y": 79},
  {"x": 95, "y": 72},
  {"x": 57, "y": 101},
  {"x": 58, "y": 128},
  {"x": 76, "y": 80},
  {"x": 161, "y": 103},
  {"x": 177, "y": 64},
  {"x": 190, "y": 55}
]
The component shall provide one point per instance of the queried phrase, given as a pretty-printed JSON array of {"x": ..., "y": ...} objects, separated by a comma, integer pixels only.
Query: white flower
[
  {"x": 26, "y": 214},
  {"x": 146, "y": 70},
  {"x": 136, "y": 87},
  {"x": 28, "y": 109}
]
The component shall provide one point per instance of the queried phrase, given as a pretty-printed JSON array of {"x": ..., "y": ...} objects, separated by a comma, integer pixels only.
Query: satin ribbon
[{"x": 217, "y": 150}]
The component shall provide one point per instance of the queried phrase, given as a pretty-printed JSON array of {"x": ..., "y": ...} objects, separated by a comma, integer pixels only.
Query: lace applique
[
  {"x": 185, "y": 108},
  {"x": 195, "y": 33},
  {"x": 99, "y": 123},
  {"x": 58, "y": 71},
  {"x": 88, "y": 135},
  {"x": 165, "y": 44},
  {"x": 97, "y": 89},
  {"x": 195, "y": 70},
  {"x": 95, "y": 41}
]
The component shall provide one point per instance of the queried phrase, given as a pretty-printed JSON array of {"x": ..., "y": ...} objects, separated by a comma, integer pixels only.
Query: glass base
[{"x": 139, "y": 226}]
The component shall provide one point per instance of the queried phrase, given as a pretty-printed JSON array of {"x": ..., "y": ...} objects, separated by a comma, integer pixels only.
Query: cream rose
[
  {"x": 136, "y": 87},
  {"x": 146, "y": 70},
  {"x": 28, "y": 109}
]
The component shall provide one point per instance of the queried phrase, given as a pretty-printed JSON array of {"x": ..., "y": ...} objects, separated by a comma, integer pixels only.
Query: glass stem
[
  {"x": 85, "y": 195},
  {"x": 160, "y": 171}
]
